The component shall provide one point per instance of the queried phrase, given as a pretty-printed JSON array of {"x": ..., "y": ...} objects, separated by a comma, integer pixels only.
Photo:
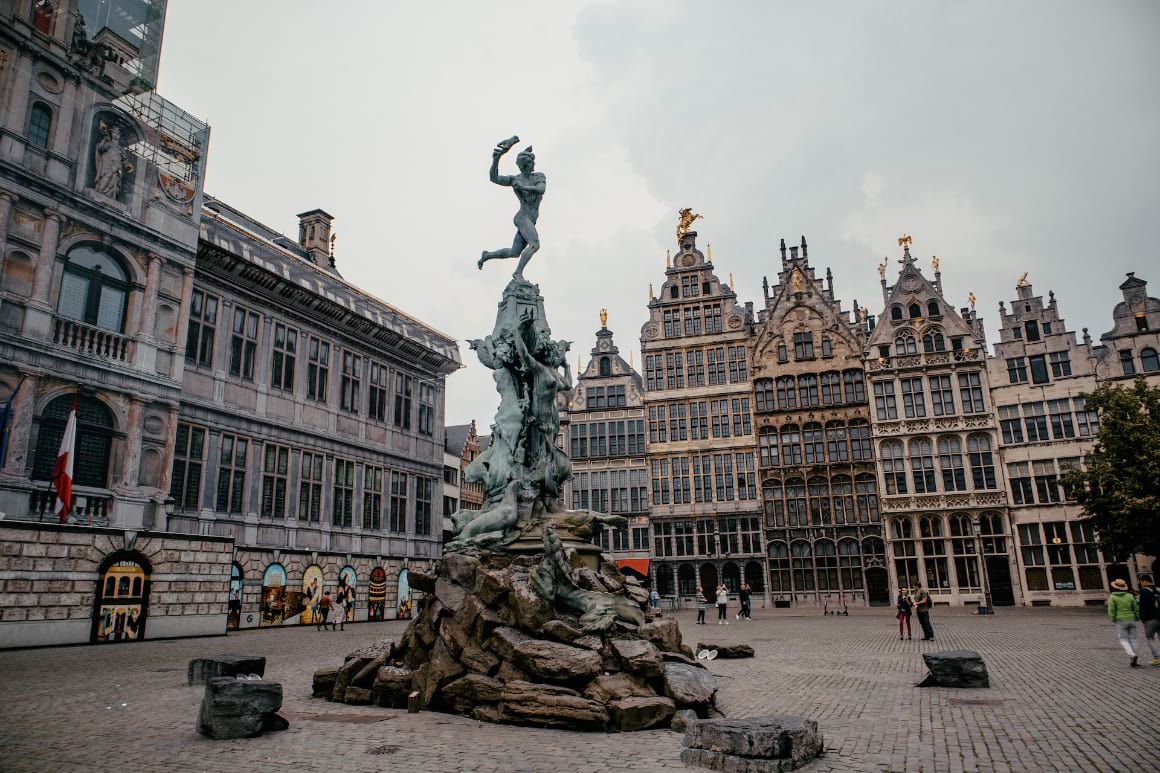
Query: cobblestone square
[{"x": 1062, "y": 699}]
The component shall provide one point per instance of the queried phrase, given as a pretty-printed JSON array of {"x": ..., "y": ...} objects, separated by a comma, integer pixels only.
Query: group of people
[
  {"x": 331, "y": 612},
  {"x": 743, "y": 595},
  {"x": 1126, "y": 609},
  {"x": 910, "y": 601}
]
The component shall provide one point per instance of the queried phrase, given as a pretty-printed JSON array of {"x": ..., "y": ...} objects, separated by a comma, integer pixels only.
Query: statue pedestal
[{"x": 589, "y": 554}]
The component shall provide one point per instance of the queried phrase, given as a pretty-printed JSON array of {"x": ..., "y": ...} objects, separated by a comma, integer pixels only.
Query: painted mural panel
[
  {"x": 347, "y": 581},
  {"x": 305, "y": 602},
  {"x": 123, "y": 601},
  {"x": 403, "y": 603},
  {"x": 273, "y": 596},
  {"x": 377, "y": 594}
]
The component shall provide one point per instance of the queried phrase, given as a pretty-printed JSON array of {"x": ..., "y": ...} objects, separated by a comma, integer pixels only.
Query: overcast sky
[{"x": 1003, "y": 136}]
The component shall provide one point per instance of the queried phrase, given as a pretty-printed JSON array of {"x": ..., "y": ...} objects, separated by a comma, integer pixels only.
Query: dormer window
[
  {"x": 827, "y": 348},
  {"x": 1142, "y": 323},
  {"x": 915, "y": 311},
  {"x": 605, "y": 367},
  {"x": 1032, "y": 328},
  {"x": 1017, "y": 332},
  {"x": 933, "y": 310},
  {"x": 896, "y": 313},
  {"x": 782, "y": 353},
  {"x": 957, "y": 344}
]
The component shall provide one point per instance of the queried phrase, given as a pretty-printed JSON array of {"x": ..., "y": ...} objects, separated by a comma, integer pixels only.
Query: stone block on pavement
[
  {"x": 200, "y": 670},
  {"x": 955, "y": 668},
  {"x": 239, "y": 708},
  {"x": 773, "y": 743}
]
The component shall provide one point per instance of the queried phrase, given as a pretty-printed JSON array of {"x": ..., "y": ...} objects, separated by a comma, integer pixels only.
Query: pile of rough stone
[{"x": 486, "y": 645}]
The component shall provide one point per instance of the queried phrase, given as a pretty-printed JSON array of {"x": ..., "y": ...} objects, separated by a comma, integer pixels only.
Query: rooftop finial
[
  {"x": 604, "y": 318},
  {"x": 668, "y": 259},
  {"x": 731, "y": 285},
  {"x": 1022, "y": 280},
  {"x": 332, "y": 238},
  {"x": 650, "y": 293},
  {"x": 904, "y": 242},
  {"x": 805, "y": 252},
  {"x": 783, "y": 249},
  {"x": 709, "y": 247},
  {"x": 971, "y": 300},
  {"x": 934, "y": 262},
  {"x": 687, "y": 216}
]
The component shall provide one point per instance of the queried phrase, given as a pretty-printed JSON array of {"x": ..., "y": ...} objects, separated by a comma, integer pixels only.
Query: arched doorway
[
  {"x": 347, "y": 580},
  {"x": 709, "y": 581},
  {"x": 234, "y": 606},
  {"x": 731, "y": 576},
  {"x": 754, "y": 577},
  {"x": 999, "y": 578},
  {"x": 664, "y": 579},
  {"x": 686, "y": 580},
  {"x": 273, "y": 596},
  {"x": 121, "y": 601},
  {"x": 877, "y": 587},
  {"x": 377, "y": 594},
  {"x": 403, "y": 599},
  {"x": 303, "y": 607}
]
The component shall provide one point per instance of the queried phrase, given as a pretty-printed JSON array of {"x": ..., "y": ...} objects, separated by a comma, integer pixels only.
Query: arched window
[
  {"x": 122, "y": 604},
  {"x": 779, "y": 577},
  {"x": 763, "y": 390},
  {"x": 901, "y": 528},
  {"x": 922, "y": 466},
  {"x": 874, "y": 551},
  {"x": 934, "y": 552},
  {"x": 932, "y": 309},
  {"x": 754, "y": 577},
  {"x": 964, "y": 549},
  {"x": 982, "y": 461},
  {"x": 605, "y": 367},
  {"x": 896, "y": 313},
  {"x": 831, "y": 388},
  {"x": 814, "y": 444},
  {"x": 731, "y": 577},
  {"x": 933, "y": 341},
  {"x": 843, "y": 499},
  {"x": 808, "y": 391},
  {"x": 93, "y": 440},
  {"x": 855, "y": 385},
  {"x": 894, "y": 467},
  {"x": 1148, "y": 360},
  {"x": 819, "y": 489},
  {"x": 686, "y": 580},
  {"x": 39, "y": 124},
  {"x": 866, "y": 490},
  {"x": 915, "y": 311},
  {"x": 950, "y": 462},
  {"x": 905, "y": 553},
  {"x": 786, "y": 393},
  {"x": 767, "y": 447},
  {"x": 795, "y": 502},
  {"x": 827, "y": 564},
  {"x": 773, "y": 491},
  {"x": 94, "y": 288},
  {"x": 837, "y": 449},
  {"x": 905, "y": 344},
  {"x": 802, "y": 562},
  {"x": 665, "y": 580},
  {"x": 850, "y": 563},
  {"x": 791, "y": 449},
  {"x": 991, "y": 527}
]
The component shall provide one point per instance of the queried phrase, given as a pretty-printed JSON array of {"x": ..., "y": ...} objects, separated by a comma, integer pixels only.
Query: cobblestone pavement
[{"x": 1063, "y": 698}]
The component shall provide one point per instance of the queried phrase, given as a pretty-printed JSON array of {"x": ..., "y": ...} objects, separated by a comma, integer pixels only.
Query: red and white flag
[{"x": 62, "y": 472}]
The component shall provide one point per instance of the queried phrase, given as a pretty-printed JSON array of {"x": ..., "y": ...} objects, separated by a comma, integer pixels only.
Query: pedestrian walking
[
  {"x": 904, "y": 611},
  {"x": 654, "y": 599},
  {"x": 324, "y": 610},
  {"x": 922, "y": 607},
  {"x": 1150, "y": 616},
  {"x": 743, "y": 595},
  {"x": 700, "y": 606},
  {"x": 1124, "y": 611},
  {"x": 338, "y": 622},
  {"x": 722, "y": 605}
]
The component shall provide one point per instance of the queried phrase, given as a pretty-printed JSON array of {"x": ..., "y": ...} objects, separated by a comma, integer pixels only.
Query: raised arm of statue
[{"x": 501, "y": 147}]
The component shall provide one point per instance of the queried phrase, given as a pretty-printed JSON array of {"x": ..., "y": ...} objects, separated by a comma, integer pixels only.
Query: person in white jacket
[{"x": 722, "y": 604}]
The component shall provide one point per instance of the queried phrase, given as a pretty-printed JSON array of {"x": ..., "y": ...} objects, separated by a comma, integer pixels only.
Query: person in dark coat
[{"x": 904, "y": 611}]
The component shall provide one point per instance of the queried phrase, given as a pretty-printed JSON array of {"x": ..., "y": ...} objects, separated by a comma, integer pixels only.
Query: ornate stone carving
[{"x": 110, "y": 161}]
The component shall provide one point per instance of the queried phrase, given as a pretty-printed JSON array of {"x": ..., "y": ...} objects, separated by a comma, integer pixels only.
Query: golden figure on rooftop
[
  {"x": 882, "y": 268},
  {"x": 687, "y": 217},
  {"x": 795, "y": 281},
  {"x": 904, "y": 240},
  {"x": 971, "y": 300},
  {"x": 604, "y": 318},
  {"x": 934, "y": 261}
]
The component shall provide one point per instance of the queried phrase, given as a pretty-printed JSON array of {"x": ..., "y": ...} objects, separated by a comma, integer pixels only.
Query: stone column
[
  {"x": 6, "y": 201},
  {"x": 149, "y": 301},
  {"x": 64, "y": 116},
  {"x": 170, "y": 447},
  {"x": 20, "y": 431},
  {"x": 38, "y": 313},
  {"x": 183, "y": 322},
  {"x": 132, "y": 458},
  {"x": 21, "y": 83}
]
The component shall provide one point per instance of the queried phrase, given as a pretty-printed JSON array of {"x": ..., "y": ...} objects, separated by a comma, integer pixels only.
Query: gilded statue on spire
[
  {"x": 1022, "y": 280},
  {"x": 604, "y": 318},
  {"x": 795, "y": 281},
  {"x": 882, "y": 268},
  {"x": 904, "y": 240},
  {"x": 687, "y": 217},
  {"x": 971, "y": 300},
  {"x": 934, "y": 262}
]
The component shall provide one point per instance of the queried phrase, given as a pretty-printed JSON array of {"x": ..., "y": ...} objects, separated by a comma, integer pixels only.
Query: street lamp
[{"x": 988, "y": 609}]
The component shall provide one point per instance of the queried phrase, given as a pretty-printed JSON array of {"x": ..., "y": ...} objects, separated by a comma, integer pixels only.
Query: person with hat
[
  {"x": 1150, "y": 616},
  {"x": 1124, "y": 611}
]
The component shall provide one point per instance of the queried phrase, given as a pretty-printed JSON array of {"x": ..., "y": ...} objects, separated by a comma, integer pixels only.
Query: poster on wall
[
  {"x": 403, "y": 599},
  {"x": 273, "y": 596},
  {"x": 121, "y": 613},
  {"x": 234, "y": 609},
  {"x": 306, "y": 603},
  {"x": 347, "y": 580},
  {"x": 377, "y": 595}
]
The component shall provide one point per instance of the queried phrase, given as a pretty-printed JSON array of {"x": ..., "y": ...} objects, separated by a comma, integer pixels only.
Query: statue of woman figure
[
  {"x": 543, "y": 364},
  {"x": 497, "y": 465},
  {"x": 110, "y": 162}
]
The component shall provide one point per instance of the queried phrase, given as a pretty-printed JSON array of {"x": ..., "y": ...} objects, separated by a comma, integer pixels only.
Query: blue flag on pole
[{"x": 6, "y": 421}]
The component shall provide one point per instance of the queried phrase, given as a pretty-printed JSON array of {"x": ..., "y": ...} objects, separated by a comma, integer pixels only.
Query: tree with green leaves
[{"x": 1119, "y": 488}]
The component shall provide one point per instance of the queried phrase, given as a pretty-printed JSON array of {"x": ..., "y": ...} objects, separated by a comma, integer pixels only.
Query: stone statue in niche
[{"x": 110, "y": 162}]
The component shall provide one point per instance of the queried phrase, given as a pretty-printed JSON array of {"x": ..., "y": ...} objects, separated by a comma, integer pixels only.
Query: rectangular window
[
  {"x": 343, "y": 493},
  {"x": 1010, "y": 424},
  {"x": 1035, "y": 420},
  {"x": 672, "y": 322},
  {"x": 713, "y": 318},
  {"x": 803, "y": 346},
  {"x": 1062, "y": 425},
  {"x": 594, "y": 399},
  {"x": 1038, "y": 369},
  {"x": 677, "y": 427},
  {"x": 404, "y": 385},
  {"x": 738, "y": 370},
  {"x": 1060, "y": 364},
  {"x": 310, "y": 487},
  {"x": 318, "y": 370},
  {"x": 660, "y": 481},
  {"x": 398, "y": 523},
  {"x": 690, "y": 286},
  {"x": 640, "y": 538},
  {"x": 231, "y": 481},
  {"x": 423, "y": 496},
  {"x": 680, "y": 467},
  {"x": 675, "y": 368},
  {"x": 854, "y": 386},
  {"x": 377, "y": 392},
  {"x": 1016, "y": 370},
  {"x": 1127, "y": 363},
  {"x": 746, "y": 476},
  {"x": 1032, "y": 328},
  {"x": 372, "y": 517},
  {"x": 202, "y": 329},
  {"x": 715, "y": 361},
  {"x": 275, "y": 467},
  {"x": 723, "y": 469},
  {"x": 654, "y": 371},
  {"x": 741, "y": 417},
  {"x": 351, "y": 382},
  {"x": 719, "y": 417},
  {"x": 1088, "y": 420},
  {"x": 942, "y": 396},
  {"x": 860, "y": 442},
  {"x": 426, "y": 409},
  {"x": 188, "y": 454},
  {"x": 884, "y": 400},
  {"x": 284, "y": 357},
  {"x": 616, "y": 396},
  {"x": 695, "y": 368},
  {"x": 1046, "y": 481},
  {"x": 1019, "y": 474},
  {"x": 692, "y": 321},
  {"x": 658, "y": 427},
  {"x": 971, "y": 392},
  {"x": 243, "y": 343},
  {"x": 913, "y": 404},
  {"x": 982, "y": 462}
]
